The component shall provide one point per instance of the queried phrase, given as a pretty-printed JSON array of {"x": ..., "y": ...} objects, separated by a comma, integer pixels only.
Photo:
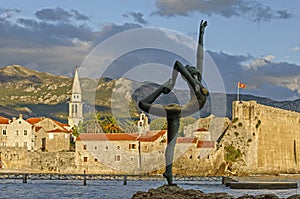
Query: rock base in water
[{"x": 176, "y": 192}]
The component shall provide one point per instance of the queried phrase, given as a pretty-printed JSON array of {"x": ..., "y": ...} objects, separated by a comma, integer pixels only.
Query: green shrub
[
  {"x": 240, "y": 124},
  {"x": 159, "y": 124},
  {"x": 231, "y": 153}
]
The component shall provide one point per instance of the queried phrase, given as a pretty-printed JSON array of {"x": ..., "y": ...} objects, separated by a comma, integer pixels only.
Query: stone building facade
[
  {"x": 273, "y": 137},
  {"x": 135, "y": 153},
  {"x": 50, "y": 135},
  {"x": 16, "y": 132}
]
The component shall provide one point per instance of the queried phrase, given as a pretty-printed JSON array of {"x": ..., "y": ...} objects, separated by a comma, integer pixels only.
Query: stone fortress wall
[
  {"x": 268, "y": 139},
  {"x": 20, "y": 159},
  {"x": 273, "y": 137}
]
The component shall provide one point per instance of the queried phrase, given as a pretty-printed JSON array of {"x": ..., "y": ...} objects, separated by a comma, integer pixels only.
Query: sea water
[{"x": 112, "y": 189}]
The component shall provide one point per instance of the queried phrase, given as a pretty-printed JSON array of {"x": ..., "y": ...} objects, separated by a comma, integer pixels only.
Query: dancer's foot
[{"x": 169, "y": 179}]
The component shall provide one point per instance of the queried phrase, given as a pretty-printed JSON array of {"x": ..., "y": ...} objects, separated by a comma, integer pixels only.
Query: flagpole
[{"x": 238, "y": 92}]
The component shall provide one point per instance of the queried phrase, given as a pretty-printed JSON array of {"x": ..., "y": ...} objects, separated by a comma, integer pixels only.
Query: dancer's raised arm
[{"x": 203, "y": 24}]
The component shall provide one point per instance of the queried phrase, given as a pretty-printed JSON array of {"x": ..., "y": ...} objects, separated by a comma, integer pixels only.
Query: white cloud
[
  {"x": 256, "y": 63},
  {"x": 290, "y": 82},
  {"x": 277, "y": 80},
  {"x": 253, "y": 10},
  {"x": 48, "y": 45},
  {"x": 295, "y": 48}
]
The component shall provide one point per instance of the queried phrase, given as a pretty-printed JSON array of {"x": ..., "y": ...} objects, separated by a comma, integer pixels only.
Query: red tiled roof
[
  {"x": 149, "y": 137},
  {"x": 107, "y": 136},
  {"x": 200, "y": 129},
  {"x": 59, "y": 131},
  {"x": 4, "y": 120},
  {"x": 186, "y": 140},
  {"x": 34, "y": 120},
  {"x": 205, "y": 144}
]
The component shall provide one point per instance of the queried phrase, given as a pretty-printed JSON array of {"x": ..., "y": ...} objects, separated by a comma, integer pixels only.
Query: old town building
[
  {"x": 16, "y": 132},
  {"x": 50, "y": 135}
]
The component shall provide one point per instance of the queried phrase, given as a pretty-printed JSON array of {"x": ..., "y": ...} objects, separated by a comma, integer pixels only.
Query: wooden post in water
[
  {"x": 25, "y": 175},
  {"x": 125, "y": 180},
  {"x": 84, "y": 178}
]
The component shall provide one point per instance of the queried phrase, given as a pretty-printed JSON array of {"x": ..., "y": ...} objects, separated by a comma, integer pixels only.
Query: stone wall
[
  {"x": 273, "y": 137},
  {"x": 15, "y": 158},
  {"x": 56, "y": 142}
]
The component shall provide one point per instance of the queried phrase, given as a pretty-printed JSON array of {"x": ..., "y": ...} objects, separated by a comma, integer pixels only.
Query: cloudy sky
[{"x": 255, "y": 42}]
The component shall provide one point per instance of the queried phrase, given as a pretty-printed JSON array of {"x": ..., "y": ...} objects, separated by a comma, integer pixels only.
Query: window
[
  {"x": 106, "y": 148},
  {"x": 85, "y": 159},
  {"x": 85, "y": 147},
  {"x": 131, "y": 159},
  {"x": 96, "y": 160},
  {"x": 118, "y": 147},
  {"x": 117, "y": 158},
  {"x": 25, "y": 132},
  {"x": 132, "y": 146},
  {"x": 4, "y": 144},
  {"x": 3, "y": 131},
  {"x": 20, "y": 122},
  {"x": 25, "y": 144},
  {"x": 17, "y": 132},
  {"x": 75, "y": 111},
  {"x": 95, "y": 148}
]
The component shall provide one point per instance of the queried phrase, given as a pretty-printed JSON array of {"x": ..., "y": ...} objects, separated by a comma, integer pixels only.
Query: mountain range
[{"x": 35, "y": 94}]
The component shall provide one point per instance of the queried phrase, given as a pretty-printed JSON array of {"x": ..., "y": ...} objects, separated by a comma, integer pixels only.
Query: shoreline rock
[{"x": 176, "y": 192}]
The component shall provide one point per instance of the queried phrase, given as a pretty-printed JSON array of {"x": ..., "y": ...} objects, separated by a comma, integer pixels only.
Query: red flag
[{"x": 240, "y": 85}]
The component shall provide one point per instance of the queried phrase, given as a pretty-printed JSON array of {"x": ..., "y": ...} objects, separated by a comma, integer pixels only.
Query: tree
[
  {"x": 129, "y": 126},
  {"x": 184, "y": 122},
  {"x": 159, "y": 124},
  {"x": 110, "y": 125}
]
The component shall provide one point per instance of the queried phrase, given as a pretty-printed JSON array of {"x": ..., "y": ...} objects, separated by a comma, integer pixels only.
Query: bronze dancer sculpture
[{"x": 192, "y": 75}]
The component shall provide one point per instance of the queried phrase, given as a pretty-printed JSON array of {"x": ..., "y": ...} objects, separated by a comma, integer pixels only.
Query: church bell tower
[{"x": 75, "y": 104}]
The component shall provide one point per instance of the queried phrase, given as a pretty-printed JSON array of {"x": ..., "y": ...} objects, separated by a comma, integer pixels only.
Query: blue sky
[{"x": 255, "y": 42}]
